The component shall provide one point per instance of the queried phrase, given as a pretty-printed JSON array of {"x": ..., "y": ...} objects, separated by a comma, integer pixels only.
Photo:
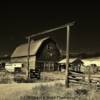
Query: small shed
[{"x": 75, "y": 64}]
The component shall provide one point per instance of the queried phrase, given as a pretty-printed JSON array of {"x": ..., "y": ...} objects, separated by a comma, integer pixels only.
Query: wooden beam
[
  {"x": 51, "y": 30},
  {"x": 28, "y": 57}
]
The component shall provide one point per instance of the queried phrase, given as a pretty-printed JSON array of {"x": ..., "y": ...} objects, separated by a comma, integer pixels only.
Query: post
[
  {"x": 67, "y": 57},
  {"x": 89, "y": 76},
  {"x": 89, "y": 79},
  {"x": 28, "y": 58}
]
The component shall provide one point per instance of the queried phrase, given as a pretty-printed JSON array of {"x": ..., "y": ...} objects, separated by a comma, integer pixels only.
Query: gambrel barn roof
[{"x": 22, "y": 50}]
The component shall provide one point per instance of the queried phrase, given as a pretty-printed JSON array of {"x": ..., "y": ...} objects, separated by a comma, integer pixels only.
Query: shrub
[{"x": 5, "y": 77}]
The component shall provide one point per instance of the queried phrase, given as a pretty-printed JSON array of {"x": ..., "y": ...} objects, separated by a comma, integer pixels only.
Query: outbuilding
[{"x": 75, "y": 64}]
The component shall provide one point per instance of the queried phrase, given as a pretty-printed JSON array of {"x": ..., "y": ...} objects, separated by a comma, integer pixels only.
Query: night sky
[{"x": 19, "y": 19}]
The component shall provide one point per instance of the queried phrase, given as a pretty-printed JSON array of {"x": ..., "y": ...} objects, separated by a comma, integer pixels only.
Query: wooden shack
[{"x": 75, "y": 64}]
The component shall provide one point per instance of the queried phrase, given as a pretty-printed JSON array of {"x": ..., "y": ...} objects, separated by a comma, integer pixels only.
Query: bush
[{"x": 5, "y": 77}]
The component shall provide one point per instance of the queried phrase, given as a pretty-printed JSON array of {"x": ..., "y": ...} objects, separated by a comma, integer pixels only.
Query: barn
[{"x": 44, "y": 54}]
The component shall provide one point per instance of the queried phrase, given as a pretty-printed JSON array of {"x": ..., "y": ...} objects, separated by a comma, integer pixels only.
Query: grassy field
[
  {"x": 50, "y": 87},
  {"x": 16, "y": 90},
  {"x": 5, "y": 77},
  {"x": 47, "y": 91}
]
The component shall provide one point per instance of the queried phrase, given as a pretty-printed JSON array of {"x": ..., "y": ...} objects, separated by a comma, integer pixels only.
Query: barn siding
[{"x": 32, "y": 61}]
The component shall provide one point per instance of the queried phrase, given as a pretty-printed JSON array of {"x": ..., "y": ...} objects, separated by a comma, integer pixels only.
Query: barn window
[{"x": 49, "y": 47}]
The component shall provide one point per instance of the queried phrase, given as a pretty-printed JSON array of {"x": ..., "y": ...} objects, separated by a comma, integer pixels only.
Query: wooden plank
[
  {"x": 75, "y": 82},
  {"x": 76, "y": 75},
  {"x": 79, "y": 73}
]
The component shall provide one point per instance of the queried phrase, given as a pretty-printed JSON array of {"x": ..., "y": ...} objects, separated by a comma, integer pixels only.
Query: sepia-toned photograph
[{"x": 50, "y": 50}]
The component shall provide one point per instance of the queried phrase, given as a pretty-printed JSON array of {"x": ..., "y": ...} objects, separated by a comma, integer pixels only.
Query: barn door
[{"x": 48, "y": 66}]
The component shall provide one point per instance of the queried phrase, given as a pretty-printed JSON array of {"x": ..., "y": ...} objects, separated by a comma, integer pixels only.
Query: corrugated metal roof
[
  {"x": 91, "y": 61},
  {"x": 22, "y": 50},
  {"x": 64, "y": 60}
]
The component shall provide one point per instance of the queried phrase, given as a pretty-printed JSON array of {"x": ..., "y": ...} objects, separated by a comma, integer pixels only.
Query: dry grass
[
  {"x": 5, "y": 77},
  {"x": 48, "y": 91},
  {"x": 52, "y": 76},
  {"x": 59, "y": 92},
  {"x": 15, "y": 91}
]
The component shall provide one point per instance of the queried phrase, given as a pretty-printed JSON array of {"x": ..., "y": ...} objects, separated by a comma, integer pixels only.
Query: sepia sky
[{"x": 19, "y": 19}]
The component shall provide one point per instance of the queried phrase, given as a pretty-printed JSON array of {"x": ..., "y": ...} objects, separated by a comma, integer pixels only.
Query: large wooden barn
[{"x": 44, "y": 53}]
